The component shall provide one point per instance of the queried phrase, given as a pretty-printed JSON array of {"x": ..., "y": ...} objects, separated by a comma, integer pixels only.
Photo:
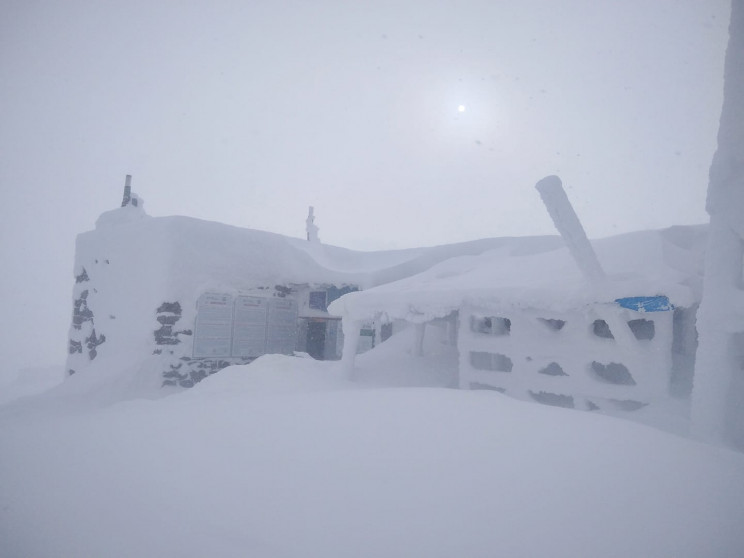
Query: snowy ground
[
  {"x": 16, "y": 384},
  {"x": 285, "y": 458}
]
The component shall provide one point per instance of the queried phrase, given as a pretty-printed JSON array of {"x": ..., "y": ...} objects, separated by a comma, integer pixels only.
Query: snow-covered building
[
  {"x": 560, "y": 326},
  {"x": 184, "y": 297},
  {"x": 525, "y": 322},
  {"x": 191, "y": 297}
]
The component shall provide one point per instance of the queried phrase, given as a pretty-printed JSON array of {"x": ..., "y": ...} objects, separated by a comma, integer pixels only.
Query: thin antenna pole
[{"x": 127, "y": 191}]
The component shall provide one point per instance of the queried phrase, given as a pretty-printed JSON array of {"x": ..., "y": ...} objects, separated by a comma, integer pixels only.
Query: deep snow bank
[{"x": 284, "y": 458}]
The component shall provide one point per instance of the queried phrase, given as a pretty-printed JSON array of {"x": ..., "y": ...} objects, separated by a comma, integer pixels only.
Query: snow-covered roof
[
  {"x": 206, "y": 254},
  {"x": 541, "y": 275},
  {"x": 184, "y": 256}
]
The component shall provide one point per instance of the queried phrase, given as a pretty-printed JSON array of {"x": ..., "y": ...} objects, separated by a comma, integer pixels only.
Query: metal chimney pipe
[{"x": 567, "y": 222}]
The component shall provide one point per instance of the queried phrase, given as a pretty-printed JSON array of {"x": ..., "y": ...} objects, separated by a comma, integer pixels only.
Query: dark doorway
[{"x": 316, "y": 339}]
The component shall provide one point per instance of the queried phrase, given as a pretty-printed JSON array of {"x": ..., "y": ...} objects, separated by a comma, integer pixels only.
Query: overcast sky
[{"x": 246, "y": 112}]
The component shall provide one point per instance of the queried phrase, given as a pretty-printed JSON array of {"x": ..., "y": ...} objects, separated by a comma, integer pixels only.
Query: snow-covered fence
[{"x": 604, "y": 355}]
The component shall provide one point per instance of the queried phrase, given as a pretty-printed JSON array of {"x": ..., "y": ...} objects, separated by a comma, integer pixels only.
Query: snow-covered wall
[
  {"x": 121, "y": 271},
  {"x": 588, "y": 358},
  {"x": 138, "y": 280},
  {"x": 718, "y": 397}
]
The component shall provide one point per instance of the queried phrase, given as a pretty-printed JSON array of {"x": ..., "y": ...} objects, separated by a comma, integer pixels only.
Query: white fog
[{"x": 373, "y": 279}]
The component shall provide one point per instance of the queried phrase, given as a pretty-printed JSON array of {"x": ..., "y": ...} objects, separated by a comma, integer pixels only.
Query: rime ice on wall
[
  {"x": 531, "y": 326},
  {"x": 726, "y": 182},
  {"x": 598, "y": 357},
  {"x": 83, "y": 338},
  {"x": 718, "y": 396},
  {"x": 105, "y": 270},
  {"x": 91, "y": 317},
  {"x": 139, "y": 279},
  {"x": 167, "y": 316},
  {"x": 143, "y": 276}
]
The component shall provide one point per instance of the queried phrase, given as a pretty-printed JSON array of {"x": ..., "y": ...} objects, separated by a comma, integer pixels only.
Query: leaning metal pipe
[{"x": 567, "y": 222}]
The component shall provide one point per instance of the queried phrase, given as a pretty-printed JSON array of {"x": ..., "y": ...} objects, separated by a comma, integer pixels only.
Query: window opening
[
  {"x": 553, "y": 369},
  {"x": 613, "y": 373},
  {"x": 642, "y": 329},
  {"x": 601, "y": 329},
  {"x": 554, "y": 399},
  {"x": 318, "y": 300},
  {"x": 555, "y": 325},
  {"x": 495, "y": 362},
  {"x": 491, "y": 325}
]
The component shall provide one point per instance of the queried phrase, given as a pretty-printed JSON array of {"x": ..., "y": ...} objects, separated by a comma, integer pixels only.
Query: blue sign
[{"x": 646, "y": 303}]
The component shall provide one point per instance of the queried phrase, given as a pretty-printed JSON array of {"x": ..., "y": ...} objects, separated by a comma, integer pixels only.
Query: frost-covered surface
[
  {"x": 131, "y": 264},
  {"x": 718, "y": 397},
  {"x": 567, "y": 222},
  {"x": 726, "y": 185},
  {"x": 526, "y": 289},
  {"x": 138, "y": 279},
  {"x": 135, "y": 272},
  {"x": 667, "y": 262},
  {"x": 16, "y": 384},
  {"x": 284, "y": 458},
  {"x": 136, "y": 275}
]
